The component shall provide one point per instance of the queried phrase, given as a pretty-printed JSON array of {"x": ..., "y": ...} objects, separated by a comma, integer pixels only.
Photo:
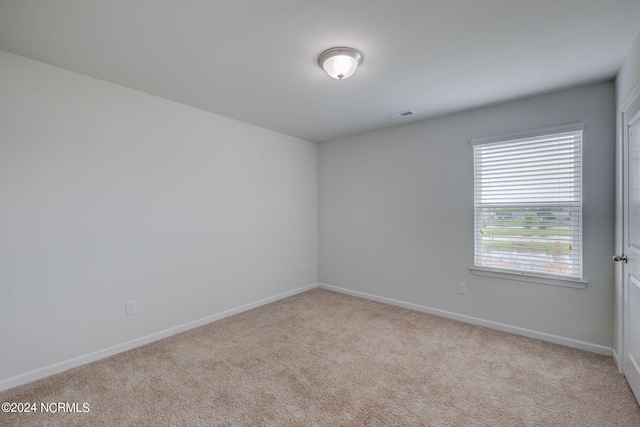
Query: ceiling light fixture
[{"x": 340, "y": 62}]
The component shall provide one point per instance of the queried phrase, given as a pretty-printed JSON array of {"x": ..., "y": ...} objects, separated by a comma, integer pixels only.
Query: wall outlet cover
[
  {"x": 131, "y": 307},
  {"x": 462, "y": 288}
]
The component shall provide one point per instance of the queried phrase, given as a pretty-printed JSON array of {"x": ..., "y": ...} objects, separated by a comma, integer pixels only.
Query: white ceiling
[{"x": 256, "y": 60}]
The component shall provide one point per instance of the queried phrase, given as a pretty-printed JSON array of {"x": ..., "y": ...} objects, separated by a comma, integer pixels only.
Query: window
[{"x": 528, "y": 203}]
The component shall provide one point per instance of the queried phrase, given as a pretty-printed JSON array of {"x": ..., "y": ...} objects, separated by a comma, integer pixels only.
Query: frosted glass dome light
[{"x": 340, "y": 62}]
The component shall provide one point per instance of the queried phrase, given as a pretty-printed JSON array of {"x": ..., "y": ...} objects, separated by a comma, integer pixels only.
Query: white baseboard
[
  {"x": 569, "y": 342},
  {"x": 56, "y": 368},
  {"x": 119, "y": 348}
]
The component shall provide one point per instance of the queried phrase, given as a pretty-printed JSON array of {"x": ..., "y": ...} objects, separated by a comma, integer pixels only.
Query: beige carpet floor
[{"x": 327, "y": 359}]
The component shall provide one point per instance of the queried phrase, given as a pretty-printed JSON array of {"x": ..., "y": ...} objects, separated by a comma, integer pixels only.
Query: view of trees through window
[{"x": 536, "y": 238}]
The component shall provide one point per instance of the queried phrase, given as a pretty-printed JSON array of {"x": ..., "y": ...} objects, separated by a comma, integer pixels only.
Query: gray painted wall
[
  {"x": 108, "y": 194},
  {"x": 396, "y": 216}
]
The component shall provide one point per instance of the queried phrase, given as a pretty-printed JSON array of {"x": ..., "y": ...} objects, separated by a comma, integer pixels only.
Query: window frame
[{"x": 523, "y": 275}]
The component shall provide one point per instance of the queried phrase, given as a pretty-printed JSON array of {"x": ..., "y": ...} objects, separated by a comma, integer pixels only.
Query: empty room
[{"x": 291, "y": 213}]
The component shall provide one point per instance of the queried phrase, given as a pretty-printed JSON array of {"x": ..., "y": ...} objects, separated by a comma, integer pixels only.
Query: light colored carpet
[{"x": 323, "y": 358}]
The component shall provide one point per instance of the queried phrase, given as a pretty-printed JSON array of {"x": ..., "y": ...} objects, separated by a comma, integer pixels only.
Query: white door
[{"x": 631, "y": 257}]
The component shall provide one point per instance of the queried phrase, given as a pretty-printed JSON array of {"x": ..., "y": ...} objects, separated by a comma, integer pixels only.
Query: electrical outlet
[
  {"x": 462, "y": 288},
  {"x": 131, "y": 307}
]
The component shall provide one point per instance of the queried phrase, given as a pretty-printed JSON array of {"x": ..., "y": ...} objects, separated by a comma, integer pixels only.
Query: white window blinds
[{"x": 528, "y": 203}]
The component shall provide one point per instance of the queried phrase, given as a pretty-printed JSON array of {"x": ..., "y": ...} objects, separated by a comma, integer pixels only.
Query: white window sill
[{"x": 526, "y": 277}]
